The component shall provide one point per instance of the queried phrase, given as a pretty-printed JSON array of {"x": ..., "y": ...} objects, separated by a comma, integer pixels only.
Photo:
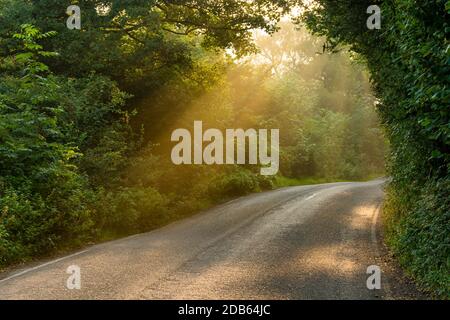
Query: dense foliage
[
  {"x": 46, "y": 125},
  {"x": 409, "y": 62},
  {"x": 65, "y": 137}
]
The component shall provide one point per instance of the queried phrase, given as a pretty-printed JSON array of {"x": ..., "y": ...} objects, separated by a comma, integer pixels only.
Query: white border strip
[{"x": 41, "y": 266}]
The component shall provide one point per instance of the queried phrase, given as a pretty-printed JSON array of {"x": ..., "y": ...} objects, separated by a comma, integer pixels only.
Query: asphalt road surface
[{"x": 305, "y": 242}]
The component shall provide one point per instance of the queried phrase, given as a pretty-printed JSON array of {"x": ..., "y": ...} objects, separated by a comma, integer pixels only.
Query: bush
[
  {"x": 32, "y": 224},
  {"x": 130, "y": 210},
  {"x": 418, "y": 232},
  {"x": 236, "y": 183}
]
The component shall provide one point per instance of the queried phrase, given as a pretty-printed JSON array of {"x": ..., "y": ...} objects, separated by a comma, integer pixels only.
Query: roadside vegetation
[{"x": 409, "y": 63}]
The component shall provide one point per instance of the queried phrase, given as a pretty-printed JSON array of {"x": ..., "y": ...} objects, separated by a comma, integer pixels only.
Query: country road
[{"x": 305, "y": 242}]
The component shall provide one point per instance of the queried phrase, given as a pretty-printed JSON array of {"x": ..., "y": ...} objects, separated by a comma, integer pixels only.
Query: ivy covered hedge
[{"x": 409, "y": 61}]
